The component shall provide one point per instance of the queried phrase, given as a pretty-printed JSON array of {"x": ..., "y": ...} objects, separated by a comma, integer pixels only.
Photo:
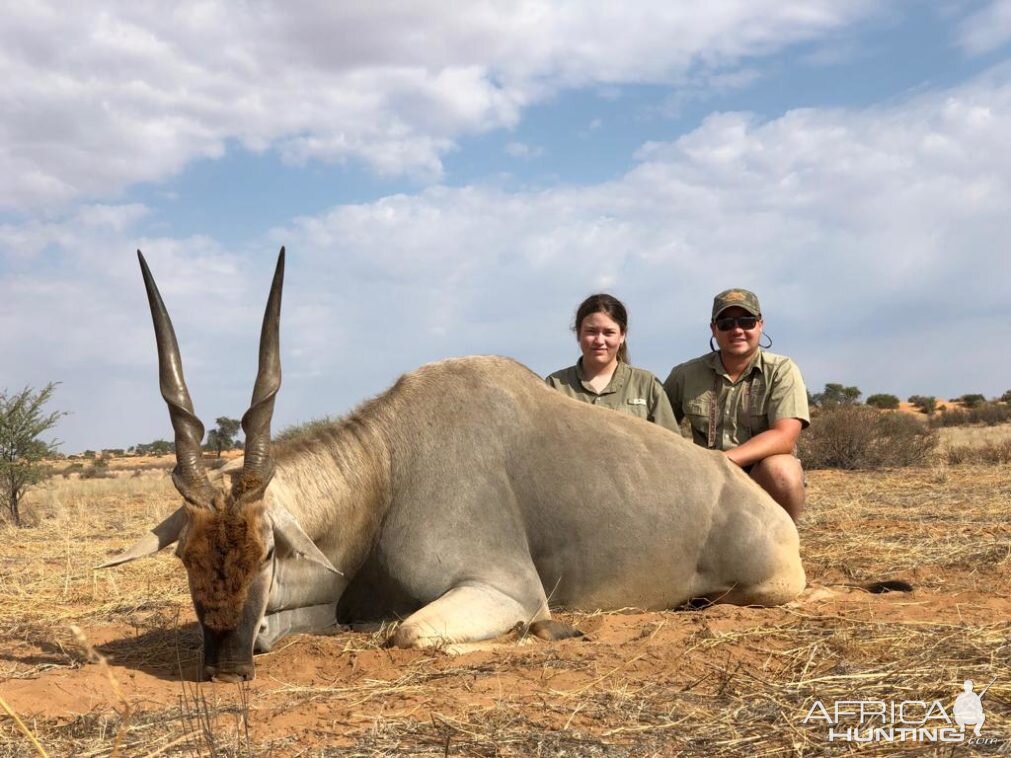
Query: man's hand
[{"x": 780, "y": 439}]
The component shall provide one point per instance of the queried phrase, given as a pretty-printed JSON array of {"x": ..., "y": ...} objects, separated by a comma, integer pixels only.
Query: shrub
[
  {"x": 986, "y": 414},
  {"x": 925, "y": 403},
  {"x": 158, "y": 447},
  {"x": 23, "y": 421},
  {"x": 72, "y": 469},
  {"x": 99, "y": 469},
  {"x": 956, "y": 417},
  {"x": 993, "y": 453},
  {"x": 885, "y": 402},
  {"x": 971, "y": 401},
  {"x": 858, "y": 437},
  {"x": 836, "y": 394}
]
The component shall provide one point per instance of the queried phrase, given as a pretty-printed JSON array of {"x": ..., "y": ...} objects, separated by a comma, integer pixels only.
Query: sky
[{"x": 454, "y": 178}]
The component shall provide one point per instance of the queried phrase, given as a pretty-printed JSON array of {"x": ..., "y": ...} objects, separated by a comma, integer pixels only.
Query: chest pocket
[
  {"x": 699, "y": 406},
  {"x": 754, "y": 411},
  {"x": 697, "y": 411},
  {"x": 636, "y": 406}
]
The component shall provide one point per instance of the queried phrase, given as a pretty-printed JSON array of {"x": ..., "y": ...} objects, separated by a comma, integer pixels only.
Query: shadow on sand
[{"x": 172, "y": 654}]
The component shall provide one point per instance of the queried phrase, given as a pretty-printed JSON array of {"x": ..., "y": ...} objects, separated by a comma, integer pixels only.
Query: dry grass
[
  {"x": 974, "y": 436},
  {"x": 725, "y": 681},
  {"x": 988, "y": 445}
]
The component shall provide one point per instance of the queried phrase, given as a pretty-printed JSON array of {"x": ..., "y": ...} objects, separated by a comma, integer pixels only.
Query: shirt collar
[
  {"x": 716, "y": 364},
  {"x": 618, "y": 379}
]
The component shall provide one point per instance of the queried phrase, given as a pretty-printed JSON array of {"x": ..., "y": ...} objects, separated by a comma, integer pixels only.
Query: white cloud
[
  {"x": 875, "y": 238},
  {"x": 986, "y": 29},
  {"x": 523, "y": 150},
  {"x": 99, "y": 96},
  {"x": 73, "y": 310}
]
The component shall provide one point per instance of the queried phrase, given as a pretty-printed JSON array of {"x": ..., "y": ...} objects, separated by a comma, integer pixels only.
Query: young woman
[{"x": 603, "y": 376}]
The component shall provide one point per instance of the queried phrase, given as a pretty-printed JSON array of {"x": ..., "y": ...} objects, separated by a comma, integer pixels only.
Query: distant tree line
[
  {"x": 835, "y": 395},
  {"x": 220, "y": 438}
]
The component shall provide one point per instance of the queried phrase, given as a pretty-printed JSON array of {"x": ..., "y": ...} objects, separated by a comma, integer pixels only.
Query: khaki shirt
[
  {"x": 769, "y": 390},
  {"x": 631, "y": 390}
]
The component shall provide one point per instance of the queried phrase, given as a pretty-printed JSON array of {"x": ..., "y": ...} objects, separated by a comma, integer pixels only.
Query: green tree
[
  {"x": 222, "y": 437},
  {"x": 1006, "y": 397},
  {"x": 925, "y": 403},
  {"x": 158, "y": 447},
  {"x": 23, "y": 420},
  {"x": 883, "y": 401},
  {"x": 837, "y": 394},
  {"x": 972, "y": 401}
]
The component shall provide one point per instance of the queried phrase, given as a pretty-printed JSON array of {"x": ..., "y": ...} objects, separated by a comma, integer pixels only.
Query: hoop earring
[
  {"x": 766, "y": 347},
  {"x": 711, "y": 348}
]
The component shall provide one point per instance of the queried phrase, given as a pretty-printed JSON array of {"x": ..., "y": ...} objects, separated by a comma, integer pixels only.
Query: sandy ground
[{"x": 725, "y": 680}]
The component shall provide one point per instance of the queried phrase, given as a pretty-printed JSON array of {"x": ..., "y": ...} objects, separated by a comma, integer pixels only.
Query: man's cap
[{"x": 736, "y": 298}]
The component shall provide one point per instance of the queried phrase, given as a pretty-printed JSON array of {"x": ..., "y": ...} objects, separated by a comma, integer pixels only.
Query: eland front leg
[{"x": 469, "y": 613}]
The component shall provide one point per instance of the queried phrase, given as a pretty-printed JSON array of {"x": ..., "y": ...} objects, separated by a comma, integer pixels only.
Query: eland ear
[
  {"x": 162, "y": 535},
  {"x": 289, "y": 534}
]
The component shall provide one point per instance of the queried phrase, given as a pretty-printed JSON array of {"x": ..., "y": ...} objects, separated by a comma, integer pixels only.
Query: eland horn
[
  {"x": 189, "y": 475},
  {"x": 258, "y": 467}
]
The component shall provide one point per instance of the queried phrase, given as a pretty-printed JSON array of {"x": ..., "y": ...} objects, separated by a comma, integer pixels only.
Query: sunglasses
[{"x": 745, "y": 322}]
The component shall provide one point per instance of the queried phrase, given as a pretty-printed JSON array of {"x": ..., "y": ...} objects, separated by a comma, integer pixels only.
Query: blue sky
[{"x": 454, "y": 179}]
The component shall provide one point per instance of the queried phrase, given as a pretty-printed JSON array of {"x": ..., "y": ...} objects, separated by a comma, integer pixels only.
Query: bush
[
  {"x": 993, "y": 453},
  {"x": 99, "y": 469},
  {"x": 23, "y": 420},
  {"x": 158, "y": 447},
  {"x": 986, "y": 414},
  {"x": 884, "y": 402},
  {"x": 836, "y": 394},
  {"x": 73, "y": 468},
  {"x": 925, "y": 403},
  {"x": 859, "y": 437},
  {"x": 971, "y": 401}
]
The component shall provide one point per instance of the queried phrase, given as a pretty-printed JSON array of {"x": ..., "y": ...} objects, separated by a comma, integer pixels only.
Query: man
[{"x": 744, "y": 401}]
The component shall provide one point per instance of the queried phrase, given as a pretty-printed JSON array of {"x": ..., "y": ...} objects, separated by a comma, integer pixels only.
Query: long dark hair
[{"x": 613, "y": 307}]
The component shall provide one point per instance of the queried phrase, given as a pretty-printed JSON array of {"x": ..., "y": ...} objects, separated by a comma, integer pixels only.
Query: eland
[{"x": 462, "y": 500}]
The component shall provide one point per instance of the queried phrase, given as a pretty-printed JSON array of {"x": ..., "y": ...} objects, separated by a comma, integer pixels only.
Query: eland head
[{"x": 228, "y": 536}]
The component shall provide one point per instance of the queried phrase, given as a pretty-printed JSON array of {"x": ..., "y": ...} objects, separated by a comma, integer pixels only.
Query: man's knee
[
  {"x": 782, "y": 476},
  {"x": 784, "y": 470}
]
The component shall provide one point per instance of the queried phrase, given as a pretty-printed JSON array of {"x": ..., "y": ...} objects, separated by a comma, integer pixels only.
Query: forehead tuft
[{"x": 222, "y": 555}]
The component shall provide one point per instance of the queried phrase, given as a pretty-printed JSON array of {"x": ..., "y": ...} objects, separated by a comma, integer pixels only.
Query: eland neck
[{"x": 334, "y": 479}]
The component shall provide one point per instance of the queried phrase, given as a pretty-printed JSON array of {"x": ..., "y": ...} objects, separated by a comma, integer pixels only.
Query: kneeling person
[{"x": 747, "y": 402}]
